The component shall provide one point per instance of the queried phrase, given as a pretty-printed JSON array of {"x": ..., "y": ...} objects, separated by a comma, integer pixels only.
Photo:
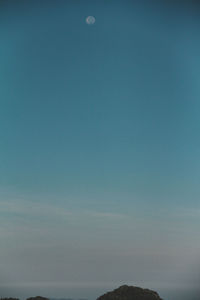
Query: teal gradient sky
[{"x": 99, "y": 144}]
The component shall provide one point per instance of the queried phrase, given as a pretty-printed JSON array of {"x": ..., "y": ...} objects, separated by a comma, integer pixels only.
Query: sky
[{"x": 99, "y": 146}]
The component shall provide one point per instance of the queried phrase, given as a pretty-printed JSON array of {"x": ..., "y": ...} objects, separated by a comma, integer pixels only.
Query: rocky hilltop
[{"x": 126, "y": 292}]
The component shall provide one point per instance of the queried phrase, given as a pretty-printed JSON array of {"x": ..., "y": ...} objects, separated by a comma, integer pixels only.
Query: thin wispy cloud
[{"x": 30, "y": 208}]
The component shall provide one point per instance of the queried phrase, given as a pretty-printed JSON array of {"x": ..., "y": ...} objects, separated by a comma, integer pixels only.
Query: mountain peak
[{"x": 126, "y": 292}]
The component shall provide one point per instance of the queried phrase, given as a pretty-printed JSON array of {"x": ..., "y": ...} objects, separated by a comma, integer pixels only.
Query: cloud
[
  {"x": 30, "y": 208},
  {"x": 59, "y": 239},
  {"x": 187, "y": 213}
]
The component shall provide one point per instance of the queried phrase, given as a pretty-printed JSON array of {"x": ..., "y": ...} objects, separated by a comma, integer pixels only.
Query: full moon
[{"x": 90, "y": 20}]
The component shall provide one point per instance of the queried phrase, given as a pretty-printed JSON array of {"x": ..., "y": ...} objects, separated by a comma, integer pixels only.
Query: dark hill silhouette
[
  {"x": 9, "y": 298},
  {"x": 37, "y": 298},
  {"x": 126, "y": 292}
]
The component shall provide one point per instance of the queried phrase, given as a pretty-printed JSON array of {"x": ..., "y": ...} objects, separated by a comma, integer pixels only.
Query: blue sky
[{"x": 99, "y": 144}]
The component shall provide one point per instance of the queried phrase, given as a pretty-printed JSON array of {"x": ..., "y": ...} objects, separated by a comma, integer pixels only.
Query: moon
[{"x": 90, "y": 20}]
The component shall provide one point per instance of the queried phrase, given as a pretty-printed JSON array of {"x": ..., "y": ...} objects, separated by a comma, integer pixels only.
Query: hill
[{"x": 126, "y": 292}]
